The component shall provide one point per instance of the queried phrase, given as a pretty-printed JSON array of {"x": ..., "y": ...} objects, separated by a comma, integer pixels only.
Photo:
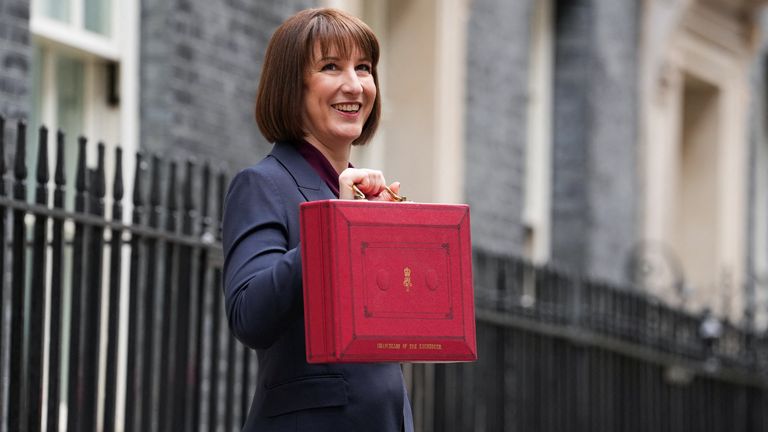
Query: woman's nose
[{"x": 351, "y": 83}]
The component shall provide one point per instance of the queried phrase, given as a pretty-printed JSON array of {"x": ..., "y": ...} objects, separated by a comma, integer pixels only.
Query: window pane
[
  {"x": 97, "y": 16},
  {"x": 57, "y": 9},
  {"x": 70, "y": 107}
]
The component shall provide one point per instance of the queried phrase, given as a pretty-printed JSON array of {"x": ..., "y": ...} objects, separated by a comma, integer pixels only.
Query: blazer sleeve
[{"x": 262, "y": 276}]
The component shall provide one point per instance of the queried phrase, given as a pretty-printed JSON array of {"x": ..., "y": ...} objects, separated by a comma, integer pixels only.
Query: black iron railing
[
  {"x": 562, "y": 353},
  {"x": 150, "y": 286}
]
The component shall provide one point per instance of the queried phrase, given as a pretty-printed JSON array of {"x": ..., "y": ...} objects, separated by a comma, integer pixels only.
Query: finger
[{"x": 373, "y": 183}]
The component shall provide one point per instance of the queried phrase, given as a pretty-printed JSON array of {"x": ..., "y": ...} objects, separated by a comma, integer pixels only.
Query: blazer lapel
[{"x": 309, "y": 183}]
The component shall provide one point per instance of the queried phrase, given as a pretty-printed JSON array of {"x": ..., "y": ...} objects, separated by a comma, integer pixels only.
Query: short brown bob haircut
[{"x": 280, "y": 100}]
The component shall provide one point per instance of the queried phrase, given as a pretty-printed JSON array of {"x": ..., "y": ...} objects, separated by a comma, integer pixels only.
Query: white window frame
[
  {"x": 121, "y": 47},
  {"x": 538, "y": 163}
]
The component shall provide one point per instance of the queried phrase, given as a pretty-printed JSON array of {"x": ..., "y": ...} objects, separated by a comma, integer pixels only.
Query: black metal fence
[
  {"x": 112, "y": 325},
  {"x": 558, "y": 353},
  {"x": 109, "y": 325}
]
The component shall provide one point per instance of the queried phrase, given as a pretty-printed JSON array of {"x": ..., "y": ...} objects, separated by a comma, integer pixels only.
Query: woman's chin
[{"x": 349, "y": 135}]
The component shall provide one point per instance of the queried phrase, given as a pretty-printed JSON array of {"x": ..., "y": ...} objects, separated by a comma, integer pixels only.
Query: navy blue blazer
[{"x": 264, "y": 302}]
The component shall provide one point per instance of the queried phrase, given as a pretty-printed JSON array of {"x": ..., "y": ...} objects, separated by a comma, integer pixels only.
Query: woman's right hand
[{"x": 370, "y": 182}]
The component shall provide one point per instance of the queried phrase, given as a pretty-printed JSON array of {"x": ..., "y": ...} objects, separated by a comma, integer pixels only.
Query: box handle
[{"x": 360, "y": 195}]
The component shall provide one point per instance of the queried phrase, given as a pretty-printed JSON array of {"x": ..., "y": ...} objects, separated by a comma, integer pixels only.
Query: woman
[{"x": 318, "y": 96}]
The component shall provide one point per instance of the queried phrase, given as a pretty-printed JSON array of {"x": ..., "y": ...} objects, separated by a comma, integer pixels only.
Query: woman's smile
[{"x": 347, "y": 108}]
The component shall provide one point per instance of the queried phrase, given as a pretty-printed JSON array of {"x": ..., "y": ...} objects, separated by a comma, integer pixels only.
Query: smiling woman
[
  {"x": 339, "y": 97},
  {"x": 318, "y": 96}
]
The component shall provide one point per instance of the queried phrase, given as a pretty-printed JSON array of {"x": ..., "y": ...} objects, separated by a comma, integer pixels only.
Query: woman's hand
[{"x": 370, "y": 182}]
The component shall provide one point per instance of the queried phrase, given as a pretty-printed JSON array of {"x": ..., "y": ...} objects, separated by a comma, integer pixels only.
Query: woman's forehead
[{"x": 334, "y": 49}]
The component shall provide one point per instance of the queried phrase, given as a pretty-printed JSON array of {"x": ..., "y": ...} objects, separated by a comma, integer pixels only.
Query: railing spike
[
  {"x": 42, "y": 157},
  {"x": 117, "y": 185},
  {"x": 189, "y": 200},
  {"x": 60, "y": 175},
  {"x": 81, "y": 181},
  {"x": 154, "y": 195},
  {"x": 20, "y": 165},
  {"x": 221, "y": 191},
  {"x": 99, "y": 185},
  {"x": 173, "y": 204},
  {"x": 171, "y": 222},
  {"x": 206, "y": 183},
  {"x": 138, "y": 198}
]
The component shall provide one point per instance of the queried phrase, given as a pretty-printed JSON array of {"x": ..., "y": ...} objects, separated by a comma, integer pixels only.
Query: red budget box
[{"x": 387, "y": 282}]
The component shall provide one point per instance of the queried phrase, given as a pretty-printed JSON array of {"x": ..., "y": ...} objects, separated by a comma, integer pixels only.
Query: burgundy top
[{"x": 320, "y": 164}]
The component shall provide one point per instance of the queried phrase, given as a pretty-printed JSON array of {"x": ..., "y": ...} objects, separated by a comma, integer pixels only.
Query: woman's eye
[
  {"x": 364, "y": 68},
  {"x": 329, "y": 67}
]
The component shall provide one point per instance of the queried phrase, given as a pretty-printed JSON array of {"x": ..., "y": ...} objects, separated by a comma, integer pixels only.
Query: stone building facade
[{"x": 599, "y": 136}]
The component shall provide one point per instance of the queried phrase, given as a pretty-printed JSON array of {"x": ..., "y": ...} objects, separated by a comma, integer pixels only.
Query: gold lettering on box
[
  {"x": 409, "y": 346},
  {"x": 407, "y": 281},
  {"x": 382, "y": 345},
  {"x": 431, "y": 346}
]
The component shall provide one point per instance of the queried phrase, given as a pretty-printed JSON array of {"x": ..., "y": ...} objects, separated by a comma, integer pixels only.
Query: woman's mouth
[{"x": 347, "y": 108}]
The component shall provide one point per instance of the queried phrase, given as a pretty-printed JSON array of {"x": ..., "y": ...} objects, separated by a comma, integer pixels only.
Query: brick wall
[
  {"x": 497, "y": 67},
  {"x": 200, "y": 65},
  {"x": 15, "y": 60},
  {"x": 595, "y": 188}
]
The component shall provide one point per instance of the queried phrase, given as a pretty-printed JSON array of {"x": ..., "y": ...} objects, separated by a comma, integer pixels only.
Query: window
[
  {"x": 90, "y": 15},
  {"x": 84, "y": 77}
]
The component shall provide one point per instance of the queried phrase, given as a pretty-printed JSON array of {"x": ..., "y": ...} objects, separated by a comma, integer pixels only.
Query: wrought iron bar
[
  {"x": 185, "y": 284},
  {"x": 169, "y": 299},
  {"x": 57, "y": 253},
  {"x": 75, "y": 394},
  {"x": 199, "y": 314},
  {"x": 150, "y": 368},
  {"x": 37, "y": 293},
  {"x": 115, "y": 264},
  {"x": 18, "y": 384},
  {"x": 93, "y": 299},
  {"x": 230, "y": 402},
  {"x": 216, "y": 349},
  {"x": 135, "y": 312},
  {"x": 219, "y": 346}
]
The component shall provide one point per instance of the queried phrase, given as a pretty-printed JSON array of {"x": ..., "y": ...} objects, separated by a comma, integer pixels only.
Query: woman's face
[{"x": 338, "y": 97}]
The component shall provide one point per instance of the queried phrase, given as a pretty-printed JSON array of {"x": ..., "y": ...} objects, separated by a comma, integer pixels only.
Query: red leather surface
[{"x": 387, "y": 282}]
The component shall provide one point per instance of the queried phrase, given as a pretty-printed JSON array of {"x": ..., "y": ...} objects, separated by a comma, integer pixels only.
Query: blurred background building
[
  {"x": 620, "y": 140},
  {"x": 623, "y": 140}
]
